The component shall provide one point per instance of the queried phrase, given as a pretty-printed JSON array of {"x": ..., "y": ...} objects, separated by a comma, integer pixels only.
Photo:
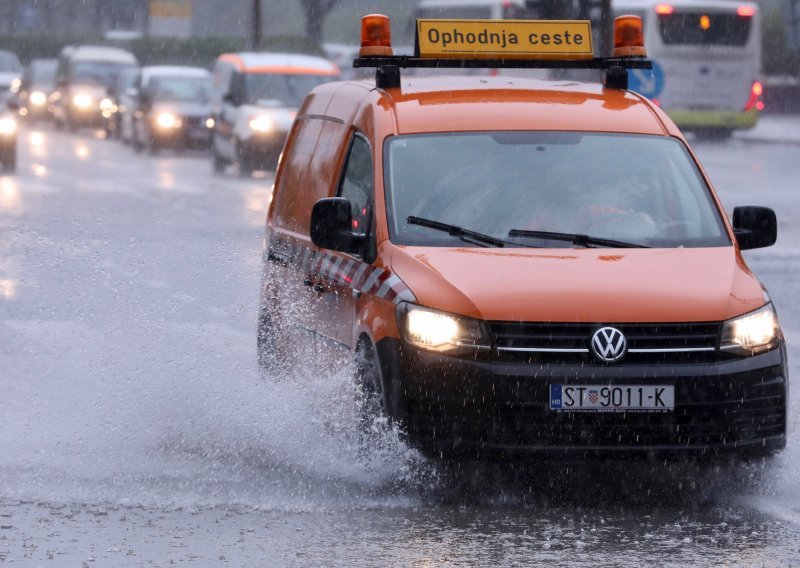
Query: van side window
[{"x": 356, "y": 184}]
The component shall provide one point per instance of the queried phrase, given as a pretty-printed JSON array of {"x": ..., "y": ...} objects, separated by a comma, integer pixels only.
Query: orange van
[{"x": 523, "y": 265}]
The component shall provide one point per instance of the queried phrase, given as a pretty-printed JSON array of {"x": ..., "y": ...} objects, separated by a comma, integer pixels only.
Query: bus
[
  {"x": 706, "y": 53},
  {"x": 707, "y": 61}
]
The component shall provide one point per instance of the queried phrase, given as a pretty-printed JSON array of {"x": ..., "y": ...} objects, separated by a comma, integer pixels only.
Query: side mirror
[
  {"x": 755, "y": 227},
  {"x": 332, "y": 226}
]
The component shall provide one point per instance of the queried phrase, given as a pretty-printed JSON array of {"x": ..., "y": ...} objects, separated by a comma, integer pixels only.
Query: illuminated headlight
[
  {"x": 261, "y": 124},
  {"x": 751, "y": 333},
  {"x": 106, "y": 104},
  {"x": 210, "y": 123},
  {"x": 15, "y": 85},
  {"x": 7, "y": 126},
  {"x": 437, "y": 331},
  {"x": 82, "y": 101},
  {"x": 167, "y": 120},
  {"x": 37, "y": 98}
]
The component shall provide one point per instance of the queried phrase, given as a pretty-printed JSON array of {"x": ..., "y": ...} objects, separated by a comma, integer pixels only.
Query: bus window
[{"x": 699, "y": 28}]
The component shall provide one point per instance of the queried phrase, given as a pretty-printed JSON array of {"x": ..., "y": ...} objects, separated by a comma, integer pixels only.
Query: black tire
[
  {"x": 369, "y": 379},
  {"x": 9, "y": 159},
  {"x": 274, "y": 359},
  {"x": 245, "y": 166},
  {"x": 218, "y": 162}
]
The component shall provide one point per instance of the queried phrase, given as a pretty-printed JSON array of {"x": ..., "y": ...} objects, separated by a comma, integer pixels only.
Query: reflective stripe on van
[{"x": 350, "y": 273}]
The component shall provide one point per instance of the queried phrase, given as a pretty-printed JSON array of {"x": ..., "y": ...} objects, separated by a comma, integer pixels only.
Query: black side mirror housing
[
  {"x": 231, "y": 99},
  {"x": 332, "y": 226},
  {"x": 755, "y": 227}
]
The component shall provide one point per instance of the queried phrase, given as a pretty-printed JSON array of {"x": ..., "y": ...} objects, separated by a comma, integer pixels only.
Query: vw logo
[{"x": 608, "y": 344}]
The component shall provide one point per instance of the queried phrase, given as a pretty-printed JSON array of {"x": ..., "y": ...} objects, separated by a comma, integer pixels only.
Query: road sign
[{"x": 647, "y": 82}]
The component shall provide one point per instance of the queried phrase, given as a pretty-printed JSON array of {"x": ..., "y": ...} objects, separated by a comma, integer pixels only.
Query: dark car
[
  {"x": 38, "y": 82},
  {"x": 8, "y": 141},
  {"x": 174, "y": 112},
  {"x": 10, "y": 71}
]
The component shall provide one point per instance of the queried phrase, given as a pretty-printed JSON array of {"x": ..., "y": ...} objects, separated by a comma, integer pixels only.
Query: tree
[{"x": 316, "y": 11}]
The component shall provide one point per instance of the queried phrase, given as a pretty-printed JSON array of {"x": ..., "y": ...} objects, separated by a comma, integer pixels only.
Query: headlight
[
  {"x": 7, "y": 125},
  {"x": 210, "y": 123},
  {"x": 261, "y": 124},
  {"x": 82, "y": 101},
  {"x": 106, "y": 104},
  {"x": 751, "y": 333},
  {"x": 37, "y": 98},
  {"x": 167, "y": 120},
  {"x": 15, "y": 85},
  {"x": 437, "y": 331}
]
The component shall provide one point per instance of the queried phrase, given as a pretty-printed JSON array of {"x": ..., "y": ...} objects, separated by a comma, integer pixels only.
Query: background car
[
  {"x": 37, "y": 84},
  {"x": 8, "y": 141},
  {"x": 256, "y": 96},
  {"x": 10, "y": 72},
  {"x": 83, "y": 78},
  {"x": 123, "y": 105},
  {"x": 174, "y": 111}
]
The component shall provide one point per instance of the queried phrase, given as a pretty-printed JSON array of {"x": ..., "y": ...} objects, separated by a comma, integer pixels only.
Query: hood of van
[{"x": 581, "y": 285}]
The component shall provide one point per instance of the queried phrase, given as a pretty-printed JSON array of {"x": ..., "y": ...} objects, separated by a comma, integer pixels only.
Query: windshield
[
  {"x": 283, "y": 90},
  {"x": 180, "y": 89},
  {"x": 643, "y": 190},
  {"x": 456, "y": 12},
  {"x": 8, "y": 63},
  {"x": 43, "y": 72},
  {"x": 703, "y": 28},
  {"x": 97, "y": 72}
]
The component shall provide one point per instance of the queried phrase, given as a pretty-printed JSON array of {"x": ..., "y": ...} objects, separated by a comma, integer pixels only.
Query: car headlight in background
[
  {"x": 438, "y": 331},
  {"x": 261, "y": 124},
  {"x": 37, "y": 98},
  {"x": 167, "y": 120},
  {"x": 15, "y": 85},
  {"x": 751, "y": 333},
  {"x": 7, "y": 126},
  {"x": 82, "y": 101},
  {"x": 210, "y": 123}
]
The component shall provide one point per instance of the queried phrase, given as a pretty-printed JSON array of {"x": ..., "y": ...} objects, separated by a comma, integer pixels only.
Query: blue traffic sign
[{"x": 647, "y": 82}]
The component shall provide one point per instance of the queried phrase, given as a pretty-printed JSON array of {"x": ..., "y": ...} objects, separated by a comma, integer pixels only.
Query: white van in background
[
  {"x": 84, "y": 77},
  {"x": 255, "y": 98}
]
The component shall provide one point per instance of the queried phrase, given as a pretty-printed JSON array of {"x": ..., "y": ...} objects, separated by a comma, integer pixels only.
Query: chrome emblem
[{"x": 608, "y": 344}]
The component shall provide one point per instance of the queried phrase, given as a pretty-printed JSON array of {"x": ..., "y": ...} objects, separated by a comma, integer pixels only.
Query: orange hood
[{"x": 581, "y": 285}]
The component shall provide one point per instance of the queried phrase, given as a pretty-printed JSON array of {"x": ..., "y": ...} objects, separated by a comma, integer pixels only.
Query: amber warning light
[
  {"x": 376, "y": 36},
  {"x": 628, "y": 37}
]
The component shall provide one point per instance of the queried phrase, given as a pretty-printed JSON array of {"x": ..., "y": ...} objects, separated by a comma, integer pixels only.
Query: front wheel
[
  {"x": 9, "y": 159},
  {"x": 369, "y": 379}
]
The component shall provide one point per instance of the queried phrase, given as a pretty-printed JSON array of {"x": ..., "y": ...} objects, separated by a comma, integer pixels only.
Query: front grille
[
  {"x": 570, "y": 343},
  {"x": 194, "y": 121},
  {"x": 690, "y": 425}
]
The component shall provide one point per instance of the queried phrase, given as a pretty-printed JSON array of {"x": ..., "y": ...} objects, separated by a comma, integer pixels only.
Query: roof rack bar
[{"x": 407, "y": 61}]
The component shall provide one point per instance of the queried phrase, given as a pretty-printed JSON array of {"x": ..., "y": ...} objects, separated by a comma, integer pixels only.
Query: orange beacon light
[
  {"x": 376, "y": 36},
  {"x": 628, "y": 37}
]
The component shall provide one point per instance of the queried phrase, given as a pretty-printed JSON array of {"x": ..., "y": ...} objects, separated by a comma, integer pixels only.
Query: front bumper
[
  {"x": 725, "y": 120},
  {"x": 184, "y": 136},
  {"x": 452, "y": 405},
  {"x": 262, "y": 150}
]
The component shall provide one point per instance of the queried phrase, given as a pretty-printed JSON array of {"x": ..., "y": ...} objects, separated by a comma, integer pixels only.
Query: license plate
[{"x": 612, "y": 398}]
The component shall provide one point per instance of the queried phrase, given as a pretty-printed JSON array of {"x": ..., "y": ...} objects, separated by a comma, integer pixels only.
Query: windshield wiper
[
  {"x": 574, "y": 238},
  {"x": 463, "y": 234}
]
